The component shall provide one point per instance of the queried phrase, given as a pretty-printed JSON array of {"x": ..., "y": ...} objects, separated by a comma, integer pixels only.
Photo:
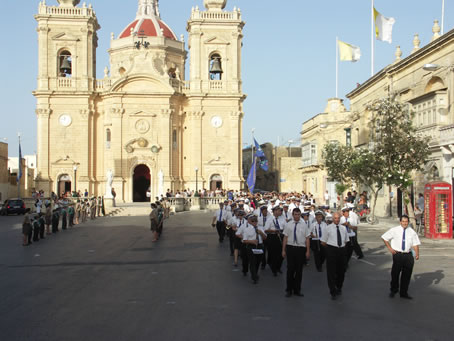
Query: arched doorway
[
  {"x": 141, "y": 183},
  {"x": 215, "y": 182},
  {"x": 64, "y": 185}
]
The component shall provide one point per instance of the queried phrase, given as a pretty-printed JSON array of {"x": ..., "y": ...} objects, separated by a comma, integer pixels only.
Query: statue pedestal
[{"x": 109, "y": 202}]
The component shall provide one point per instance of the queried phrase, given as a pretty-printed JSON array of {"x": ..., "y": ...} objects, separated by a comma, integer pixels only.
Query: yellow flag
[
  {"x": 383, "y": 27},
  {"x": 349, "y": 52}
]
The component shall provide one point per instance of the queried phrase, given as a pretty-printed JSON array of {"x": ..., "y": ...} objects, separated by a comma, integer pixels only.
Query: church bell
[
  {"x": 216, "y": 66},
  {"x": 65, "y": 66}
]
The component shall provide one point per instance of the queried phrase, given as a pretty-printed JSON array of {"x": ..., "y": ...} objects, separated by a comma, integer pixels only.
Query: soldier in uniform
[
  {"x": 64, "y": 220},
  {"x": 55, "y": 221}
]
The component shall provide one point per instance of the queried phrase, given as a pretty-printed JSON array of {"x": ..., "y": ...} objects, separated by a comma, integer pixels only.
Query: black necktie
[{"x": 339, "y": 238}]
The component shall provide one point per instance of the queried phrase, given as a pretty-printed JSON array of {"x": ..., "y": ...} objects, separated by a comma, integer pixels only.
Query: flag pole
[
  {"x": 372, "y": 71},
  {"x": 337, "y": 67},
  {"x": 443, "y": 17},
  {"x": 19, "y": 169}
]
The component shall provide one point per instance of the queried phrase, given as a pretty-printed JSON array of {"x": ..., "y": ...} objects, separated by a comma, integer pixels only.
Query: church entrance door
[
  {"x": 141, "y": 183},
  {"x": 215, "y": 182},
  {"x": 64, "y": 184}
]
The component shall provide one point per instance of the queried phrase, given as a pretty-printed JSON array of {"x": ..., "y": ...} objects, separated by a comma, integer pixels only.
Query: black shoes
[
  {"x": 406, "y": 296},
  {"x": 288, "y": 294},
  {"x": 299, "y": 294},
  {"x": 339, "y": 292},
  {"x": 392, "y": 294},
  {"x": 333, "y": 297}
]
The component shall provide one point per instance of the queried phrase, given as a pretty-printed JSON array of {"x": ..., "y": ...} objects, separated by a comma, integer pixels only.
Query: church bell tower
[
  {"x": 67, "y": 41},
  {"x": 215, "y": 98}
]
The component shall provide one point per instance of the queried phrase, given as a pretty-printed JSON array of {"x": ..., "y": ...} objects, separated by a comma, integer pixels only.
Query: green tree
[
  {"x": 397, "y": 144},
  {"x": 337, "y": 159}
]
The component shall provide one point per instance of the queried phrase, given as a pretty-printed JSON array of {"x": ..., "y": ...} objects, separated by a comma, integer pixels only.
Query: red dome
[{"x": 148, "y": 27}]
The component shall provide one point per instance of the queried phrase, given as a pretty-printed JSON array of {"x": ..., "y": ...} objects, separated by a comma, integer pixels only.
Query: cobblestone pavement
[{"x": 105, "y": 280}]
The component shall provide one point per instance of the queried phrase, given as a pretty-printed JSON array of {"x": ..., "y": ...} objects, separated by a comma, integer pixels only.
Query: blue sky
[{"x": 288, "y": 55}]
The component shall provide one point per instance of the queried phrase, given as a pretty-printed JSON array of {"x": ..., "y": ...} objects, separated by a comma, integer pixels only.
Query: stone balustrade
[
  {"x": 194, "y": 203},
  {"x": 201, "y": 15},
  {"x": 65, "y": 82},
  {"x": 65, "y": 11},
  {"x": 103, "y": 84}
]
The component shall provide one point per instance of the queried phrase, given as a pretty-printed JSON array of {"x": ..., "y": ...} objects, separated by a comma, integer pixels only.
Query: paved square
[{"x": 105, "y": 280}]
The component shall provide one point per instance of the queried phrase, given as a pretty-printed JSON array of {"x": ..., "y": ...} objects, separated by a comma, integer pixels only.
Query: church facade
[{"x": 142, "y": 126}]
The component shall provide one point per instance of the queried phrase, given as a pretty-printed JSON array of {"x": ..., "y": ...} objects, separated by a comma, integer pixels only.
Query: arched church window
[
  {"x": 108, "y": 138},
  {"x": 65, "y": 64},
  {"x": 216, "y": 67}
]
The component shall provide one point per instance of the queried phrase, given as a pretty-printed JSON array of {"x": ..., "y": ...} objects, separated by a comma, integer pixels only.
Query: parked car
[{"x": 13, "y": 206}]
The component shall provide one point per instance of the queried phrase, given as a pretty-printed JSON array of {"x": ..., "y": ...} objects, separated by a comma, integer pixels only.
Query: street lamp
[
  {"x": 196, "y": 179},
  {"x": 75, "y": 178}
]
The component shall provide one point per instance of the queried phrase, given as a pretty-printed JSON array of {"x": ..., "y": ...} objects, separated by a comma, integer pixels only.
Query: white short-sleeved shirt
[
  {"x": 287, "y": 215},
  {"x": 395, "y": 236},
  {"x": 249, "y": 233},
  {"x": 220, "y": 217},
  {"x": 350, "y": 232},
  {"x": 302, "y": 232},
  {"x": 240, "y": 224},
  {"x": 318, "y": 230},
  {"x": 354, "y": 219},
  {"x": 330, "y": 237},
  {"x": 263, "y": 219},
  {"x": 275, "y": 224}
]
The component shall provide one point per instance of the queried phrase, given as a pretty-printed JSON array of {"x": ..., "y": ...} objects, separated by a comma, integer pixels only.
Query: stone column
[
  {"x": 195, "y": 149},
  {"x": 165, "y": 141},
  {"x": 43, "y": 149},
  {"x": 83, "y": 181},
  {"x": 235, "y": 174},
  {"x": 43, "y": 69},
  {"x": 117, "y": 153}
]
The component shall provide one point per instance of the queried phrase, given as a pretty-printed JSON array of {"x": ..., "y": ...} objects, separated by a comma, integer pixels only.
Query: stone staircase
[{"x": 131, "y": 210}]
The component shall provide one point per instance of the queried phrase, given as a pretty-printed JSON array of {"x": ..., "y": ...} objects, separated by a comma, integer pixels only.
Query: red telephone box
[{"x": 438, "y": 210}]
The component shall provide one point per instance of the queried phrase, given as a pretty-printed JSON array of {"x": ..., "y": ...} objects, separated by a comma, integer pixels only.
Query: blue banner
[
  {"x": 260, "y": 154},
  {"x": 252, "y": 176}
]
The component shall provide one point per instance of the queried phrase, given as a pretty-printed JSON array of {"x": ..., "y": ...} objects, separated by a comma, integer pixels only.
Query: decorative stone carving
[
  {"x": 142, "y": 126},
  {"x": 398, "y": 53},
  {"x": 45, "y": 113},
  {"x": 110, "y": 177},
  {"x": 416, "y": 43},
  {"x": 215, "y": 5},
  {"x": 141, "y": 142},
  {"x": 68, "y": 3},
  {"x": 85, "y": 113},
  {"x": 117, "y": 112},
  {"x": 436, "y": 30}
]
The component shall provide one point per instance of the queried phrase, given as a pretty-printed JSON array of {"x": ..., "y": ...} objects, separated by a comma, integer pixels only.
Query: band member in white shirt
[
  {"x": 318, "y": 228},
  {"x": 346, "y": 221},
  {"x": 296, "y": 248},
  {"x": 286, "y": 213},
  {"x": 252, "y": 236},
  {"x": 354, "y": 222},
  {"x": 219, "y": 220},
  {"x": 262, "y": 219},
  {"x": 335, "y": 240},
  {"x": 229, "y": 230},
  {"x": 273, "y": 228},
  {"x": 401, "y": 241}
]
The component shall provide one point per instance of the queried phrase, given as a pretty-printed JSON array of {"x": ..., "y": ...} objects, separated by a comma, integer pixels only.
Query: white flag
[
  {"x": 349, "y": 52},
  {"x": 383, "y": 27}
]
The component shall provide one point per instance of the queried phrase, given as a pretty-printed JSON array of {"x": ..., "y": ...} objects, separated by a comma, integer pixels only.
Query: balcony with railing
[
  {"x": 66, "y": 82},
  {"x": 103, "y": 84}
]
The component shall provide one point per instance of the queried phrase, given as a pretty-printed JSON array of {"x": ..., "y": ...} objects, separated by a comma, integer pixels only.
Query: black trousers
[
  {"x": 231, "y": 234},
  {"x": 401, "y": 272},
  {"x": 274, "y": 246},
  {"x": 41, "y": 229},
  {"x": 64, "y": 222},
  {"x": 71, "y": 220},
  {"x": 35, "y": 232},
  {"x": 319, "y": 254},
  {"x": 220, "y": 226},
  {"x": 354, "y": 246},
  {"x": 296, "y": 257},
  {"x": 54, "y": 225},
  {"x": 244, "y": 258},
  {"x": 253, "y": 260},
  {"x": 264, "y": 256},
  {"x": 336, "y": 261}
]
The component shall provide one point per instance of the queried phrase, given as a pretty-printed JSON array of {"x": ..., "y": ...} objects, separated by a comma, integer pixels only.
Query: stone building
[
  {"x": 283, "y": 173},
  {"x": 331, "y": 126},
  {"x": 142, "y": 125},
  {"x": 4, "y": 174},
  {"x": 424, "y": 81}
]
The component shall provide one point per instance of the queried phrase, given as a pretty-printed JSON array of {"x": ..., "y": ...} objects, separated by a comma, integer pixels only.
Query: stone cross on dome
[{"x": 148, "y": 8}]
